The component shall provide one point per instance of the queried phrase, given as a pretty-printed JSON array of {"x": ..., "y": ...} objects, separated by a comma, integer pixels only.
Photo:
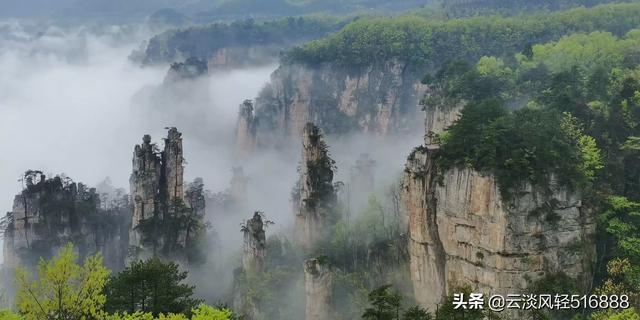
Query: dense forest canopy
[
  {"x": 546, "y": 103},
  {"x": 204, "y": 41},
  {"x": 588, "y": 79},
  {"x": 421, "y": 41},
  {"x": 567, "y": 109}
]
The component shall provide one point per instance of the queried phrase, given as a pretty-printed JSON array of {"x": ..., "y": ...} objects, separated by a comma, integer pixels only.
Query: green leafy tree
[
  {"x": 205, "y": 312},
  {"x": 627, "y": 314},
  {"x": 8, "y": 315},
  {"x": 385, "y": 304},
  {"x": 64, "y": 289},
  {"x": 150, "y": 286},
  {"x": 417, "y": 313}
]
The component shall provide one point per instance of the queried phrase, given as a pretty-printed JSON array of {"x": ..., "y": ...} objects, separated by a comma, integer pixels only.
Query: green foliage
[
  {"x": 204, "y": 42},
  {"x": 456, "y": 8},
  {"x": 420, "y": 41},
  {"x": 417, "y": 313},
  {"x": 163, "y": 232},
  {"x": 575, "y": 79},
  {"x": 621, "y": 220},
  {"x": 150, "y": 286},
  {"x": 64, "y": 289},
  {"x": 527, "y": 145},
  {"x": 8, "y": 315},
  {"x": 205, "y": 312},
  {"x": 627, "y": 314},
  {"x": 386, "y": 304},
  {"x": 202, "y": 312},
  {"x": 268, "y": 291}
]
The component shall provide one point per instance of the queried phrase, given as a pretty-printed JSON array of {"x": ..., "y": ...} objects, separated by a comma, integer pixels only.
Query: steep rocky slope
[
  {"x": 314, "y": 196},
  {"x": 167, "y": 217},
  {"x": 50, "y": 212},
  {"x": 377, "y": 99},
  {"x": 463, "y": 232}
]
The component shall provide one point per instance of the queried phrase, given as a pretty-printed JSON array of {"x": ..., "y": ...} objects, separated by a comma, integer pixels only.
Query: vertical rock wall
[
  {"x": 318, "y": 285},
  {"x": 377, "y": 99},
  {"x": 464, "y": 233},
  {"x": 49, "y": 213},
  {"x": 172, "y": 166},
  {"x": 254, "y": 247},
  {"x": 144, "y": 186},
  {"x": 159, "y": 198},
  {"x": 314, "y": 196},
  {"x": 245, "y": 130}
]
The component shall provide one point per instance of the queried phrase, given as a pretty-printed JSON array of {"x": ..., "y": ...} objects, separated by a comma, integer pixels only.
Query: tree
[
  {"x": 417, "y": 313},
  {"x": 205, "y": 312},
  {"x": 8, "y": 315},
  {"x": 150, "y": 286},
  {"x": 385, "y": 304},
  {"x": 64, "y": 289}
]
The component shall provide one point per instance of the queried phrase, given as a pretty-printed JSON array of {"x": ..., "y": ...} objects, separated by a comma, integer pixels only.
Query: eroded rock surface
[
  {"x": 463, "y": 232},
  {"x": 378, "y": 99},
  {"x": 318, "y": 285},
  {"x": 314, "y": 197},
  {"x": 51, "y": 212},
  {"x": 254, "y": 247},
  {"x": 166, "y": 219}
]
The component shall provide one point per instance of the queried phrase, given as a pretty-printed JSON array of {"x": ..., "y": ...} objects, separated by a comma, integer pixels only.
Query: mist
[{"x": 71, "y": 102}]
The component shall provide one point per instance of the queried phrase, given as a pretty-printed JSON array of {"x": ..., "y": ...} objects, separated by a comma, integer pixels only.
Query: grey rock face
[
  {"x": 49, "y": 213},
  {"x": 318, "y": 285},
  {"x": 254, "y": 246},
  {"x": 379, "y": 99},
  {"x": 462, "y": 232},
  {"x": 314, "y": 197},
  {"x": 159, "y": 198}
]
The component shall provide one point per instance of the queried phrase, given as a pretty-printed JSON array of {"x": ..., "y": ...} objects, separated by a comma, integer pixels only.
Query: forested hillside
[
  {"x": 204, "y": 42},
  {"x": 392, "y": 163},
  {"x": 421, "y": 41}
]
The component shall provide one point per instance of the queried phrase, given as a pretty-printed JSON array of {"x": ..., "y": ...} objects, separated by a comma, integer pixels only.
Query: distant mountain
[
  {"x": 199, "y": 10},
  {"x": 95, "y": 10}
]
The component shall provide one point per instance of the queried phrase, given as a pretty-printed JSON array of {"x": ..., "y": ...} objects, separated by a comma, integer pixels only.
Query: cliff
[
  {"x": 50, "y": 212},
  {"x": 166, "y": 220},
  {"x": 318, "y": 285},
  {"x": 254, "y": 246},
  {"x": 314, "y": 197},
  {"x": 464, "y": 233},
  {"x": 377, "y": 99}
]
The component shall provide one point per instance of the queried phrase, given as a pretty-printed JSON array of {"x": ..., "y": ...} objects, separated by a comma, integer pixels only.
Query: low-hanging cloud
[{"x": 71, "y": 102}]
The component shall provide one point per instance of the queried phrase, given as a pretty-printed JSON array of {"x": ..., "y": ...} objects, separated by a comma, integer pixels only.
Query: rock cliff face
[
  {"x": 145, "y": 183},
  {"x": 314, "y": 197},
  {"x": 49, "y": 213},
  {"x": 378, "y": 99},
  {"x": 318, "y": 285},
  {"x": 245, "y": 130},
  {"x": 463, "y": 232},
  {"x": 160, "y": 204},
  {"x": 190, "y": 69},
  {"x": 254, "y": 247}
]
